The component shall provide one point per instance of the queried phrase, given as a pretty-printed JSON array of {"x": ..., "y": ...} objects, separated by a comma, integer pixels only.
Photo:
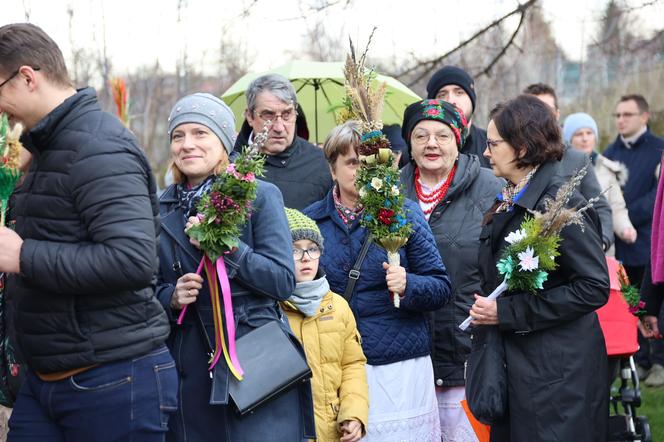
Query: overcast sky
[{"x": 139, "y": 31}]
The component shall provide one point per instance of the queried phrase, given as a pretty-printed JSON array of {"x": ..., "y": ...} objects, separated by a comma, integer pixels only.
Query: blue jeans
[{"x": 129, "y": 400}]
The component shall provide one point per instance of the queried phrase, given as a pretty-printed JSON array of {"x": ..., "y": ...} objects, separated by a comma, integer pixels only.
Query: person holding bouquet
[
  {"x": 555, "y": 354},
  {"x": 395, "y": 341},
  {"x": 201, "y": 130},
  {"x": 454, "y": 191}
]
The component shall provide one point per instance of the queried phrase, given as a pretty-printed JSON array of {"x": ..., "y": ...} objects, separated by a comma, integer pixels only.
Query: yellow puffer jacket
[{"x": 334, "y": 352}]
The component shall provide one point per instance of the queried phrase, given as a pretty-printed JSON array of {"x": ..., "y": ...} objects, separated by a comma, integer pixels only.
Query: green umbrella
[{"x": 320, "y": 91}]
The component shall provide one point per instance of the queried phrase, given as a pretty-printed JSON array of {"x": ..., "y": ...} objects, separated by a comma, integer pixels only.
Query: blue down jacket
[{"x": 388, "y": 334}]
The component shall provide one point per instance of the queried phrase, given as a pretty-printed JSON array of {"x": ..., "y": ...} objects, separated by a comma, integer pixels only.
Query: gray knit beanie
[{"x": 208, "y": 110}]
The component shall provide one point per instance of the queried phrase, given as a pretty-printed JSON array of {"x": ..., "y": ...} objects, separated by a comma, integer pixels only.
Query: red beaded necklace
[{"x": 437, "y": 195}]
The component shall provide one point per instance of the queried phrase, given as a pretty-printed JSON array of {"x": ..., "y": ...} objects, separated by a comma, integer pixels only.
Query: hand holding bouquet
[
  {"x": 223, "y": 212},
  {"x": 532, "y": 250},
  {"x": 377, "y": 179},
  {"x": 10, "y": 150}
]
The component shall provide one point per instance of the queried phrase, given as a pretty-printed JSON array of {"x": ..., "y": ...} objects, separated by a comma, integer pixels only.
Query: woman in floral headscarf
[{"x": 454, "y": 192}]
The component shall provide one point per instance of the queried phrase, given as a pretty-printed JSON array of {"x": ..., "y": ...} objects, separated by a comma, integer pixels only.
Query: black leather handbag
[
  {"x": 272, "y": 362},
  {"x": 486, "y": 375}
]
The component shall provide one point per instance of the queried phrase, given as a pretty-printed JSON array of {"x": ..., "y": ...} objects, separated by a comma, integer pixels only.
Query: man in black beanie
[{"x": 455, "y": 86}]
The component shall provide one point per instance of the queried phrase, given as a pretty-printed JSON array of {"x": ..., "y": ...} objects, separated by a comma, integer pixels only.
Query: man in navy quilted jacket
[{"x": 82, "y": 262}]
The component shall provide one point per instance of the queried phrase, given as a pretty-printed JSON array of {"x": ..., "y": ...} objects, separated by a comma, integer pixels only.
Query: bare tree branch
[
  {"x": 311, "y": 10},
  {"x": 26, "y": 11},
  {"x": 429, "y": 65},
  {"x": 247, "y": 9},
  {"x": 502, "y": 52},
  {"x": 642, "y": 5}
]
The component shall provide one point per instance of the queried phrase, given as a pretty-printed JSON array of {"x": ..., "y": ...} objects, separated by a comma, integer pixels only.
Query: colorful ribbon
[{"x": 218, "y": 276}]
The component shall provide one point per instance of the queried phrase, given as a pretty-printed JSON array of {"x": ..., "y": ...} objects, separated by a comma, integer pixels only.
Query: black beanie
[{"x": 452, "y": 75}]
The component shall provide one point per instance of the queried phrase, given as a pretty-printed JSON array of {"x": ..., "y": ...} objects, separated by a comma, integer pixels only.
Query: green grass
[{"x": 652, "y": 405}]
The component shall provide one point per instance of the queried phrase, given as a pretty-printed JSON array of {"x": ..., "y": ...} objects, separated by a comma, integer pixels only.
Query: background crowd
[{"x": 99, "y": 268}]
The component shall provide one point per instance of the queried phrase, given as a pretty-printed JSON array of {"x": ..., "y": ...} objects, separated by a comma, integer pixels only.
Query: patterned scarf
[
  {"x": 348, "y": 216},
  {"x": 190, "y": 196},
  {"x": 512, "y": 192}
]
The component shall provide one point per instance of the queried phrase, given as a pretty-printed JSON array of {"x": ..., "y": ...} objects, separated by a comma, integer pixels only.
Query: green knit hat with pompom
[{"x": 303, "y": 227}]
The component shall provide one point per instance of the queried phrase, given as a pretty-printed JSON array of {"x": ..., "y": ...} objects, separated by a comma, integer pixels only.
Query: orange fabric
[
  {"x": 61, "y": 375},
  {"x": 482, "y": 431}
]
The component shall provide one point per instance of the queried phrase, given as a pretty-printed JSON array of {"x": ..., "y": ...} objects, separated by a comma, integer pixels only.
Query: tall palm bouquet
[{"x": 377, "y": 178}]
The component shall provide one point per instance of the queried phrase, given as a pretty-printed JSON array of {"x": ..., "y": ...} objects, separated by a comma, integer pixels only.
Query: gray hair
[
  {"x": 276, "y": 84},
  {"x": 341, "y": 139}
]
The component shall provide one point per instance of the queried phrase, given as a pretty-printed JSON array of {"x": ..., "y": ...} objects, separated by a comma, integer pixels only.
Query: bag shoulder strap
[
  {"x": 177, "y": 268},
  {"x": 354, "y": 273}
]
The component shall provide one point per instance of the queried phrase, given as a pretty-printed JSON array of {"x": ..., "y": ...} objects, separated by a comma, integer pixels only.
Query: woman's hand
[
  {"x": 628, "y": 235},
  {"x": 484, "y": 311},
  {"x": 351, "y": 431},
  {"x": 186, "y": 290},
  {"x": 396, "y": 278},
  {"x": 192, "y": 221},
  {"x": 649, "y": 327}
]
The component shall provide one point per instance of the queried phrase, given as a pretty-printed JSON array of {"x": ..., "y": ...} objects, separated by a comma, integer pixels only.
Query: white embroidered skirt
[
  {"x": 454, "y": 424},
  {"x": 402, "y": 402}
]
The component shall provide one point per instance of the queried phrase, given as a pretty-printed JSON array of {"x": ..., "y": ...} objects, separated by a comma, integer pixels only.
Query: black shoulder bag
[
  {"x": 354, "y": 273},
  {"x": 273, "y": 362},
  {"x": 486, "y": 375}
]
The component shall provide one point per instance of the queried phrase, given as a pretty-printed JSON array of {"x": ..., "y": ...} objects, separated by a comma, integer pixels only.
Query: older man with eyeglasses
[{"x": 295, "y": 166}]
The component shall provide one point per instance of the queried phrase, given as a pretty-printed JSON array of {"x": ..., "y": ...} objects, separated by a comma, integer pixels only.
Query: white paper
[
  {"x": 494, "y": 294},
  {"x": 394, "y": 259}
]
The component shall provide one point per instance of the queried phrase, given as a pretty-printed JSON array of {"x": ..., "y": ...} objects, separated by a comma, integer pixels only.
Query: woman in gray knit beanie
[{"x": 201, "y": 130}]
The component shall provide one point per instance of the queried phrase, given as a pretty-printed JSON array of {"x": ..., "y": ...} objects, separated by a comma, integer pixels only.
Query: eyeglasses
[
  {"x": 287, "y": 116},
  {"x": 490, "y": 144},
  {"x": 298, "y": 254},
  {"x": 618, "y": 115},
  {"x": 14, "y": 74},
  {"x": 441, "y": 138}
]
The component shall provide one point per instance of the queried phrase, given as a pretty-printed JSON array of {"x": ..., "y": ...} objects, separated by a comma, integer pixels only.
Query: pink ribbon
[
  {"x": 228, "y": 313},
  {"x": 219, "y": 273}
]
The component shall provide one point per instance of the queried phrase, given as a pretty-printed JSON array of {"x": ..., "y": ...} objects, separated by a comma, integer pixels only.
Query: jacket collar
[
  {"x": 640, "y": 140},
  {"x": 326, "y": 306},
  {"x": 169, "y": 196},
  {"x": 49, "y": 126},
  {"x": 282, "y": 158},
  {"x": 537, "y": 187},
  {"x": 326, "y": 209},
  {"x": 172, "y": 222}
]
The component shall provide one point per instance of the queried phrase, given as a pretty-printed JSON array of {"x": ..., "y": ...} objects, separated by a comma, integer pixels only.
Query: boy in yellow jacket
[{"x": 325, "y": 325}]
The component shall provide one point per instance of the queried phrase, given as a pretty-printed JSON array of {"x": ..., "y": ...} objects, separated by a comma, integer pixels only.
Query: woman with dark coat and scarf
[
  {"x": 202, "y": 131},
  {"x": 454, "y": 192},
  {"x": 555, "y": 354}
]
